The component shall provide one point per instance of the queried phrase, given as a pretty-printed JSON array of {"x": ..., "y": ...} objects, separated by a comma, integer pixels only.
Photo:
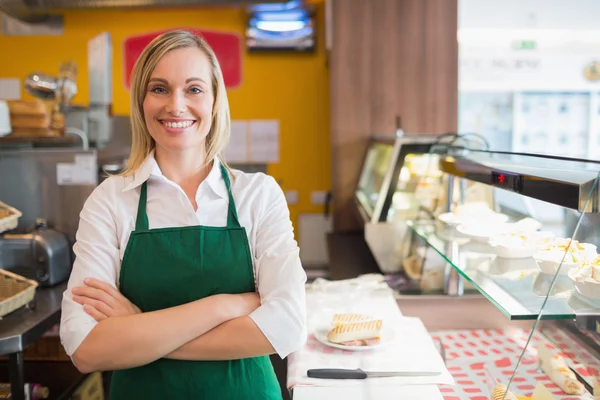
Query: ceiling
[{"x": 38, "y": 10}]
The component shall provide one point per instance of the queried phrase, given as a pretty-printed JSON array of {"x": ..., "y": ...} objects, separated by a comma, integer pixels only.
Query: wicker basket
[
  {"x": 15, "y": 291},
  {"x": 9, "y": 217}
]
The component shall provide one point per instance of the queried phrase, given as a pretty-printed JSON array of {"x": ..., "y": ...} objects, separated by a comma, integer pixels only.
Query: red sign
[{"x": 227, "y": 47}]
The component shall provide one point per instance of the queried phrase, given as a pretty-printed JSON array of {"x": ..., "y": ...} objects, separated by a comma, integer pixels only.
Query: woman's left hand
[{"x": 101, "y": 300}]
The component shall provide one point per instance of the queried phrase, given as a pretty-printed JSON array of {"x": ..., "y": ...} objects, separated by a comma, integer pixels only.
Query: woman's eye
[
  {"x": 195, "y": 90},
  {"x": 158, "y": 89}
]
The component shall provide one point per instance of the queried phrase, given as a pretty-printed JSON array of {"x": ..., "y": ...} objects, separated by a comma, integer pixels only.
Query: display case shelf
[
  {"x": 565, "y": 182},
  {"x": 516, "y": 286}
]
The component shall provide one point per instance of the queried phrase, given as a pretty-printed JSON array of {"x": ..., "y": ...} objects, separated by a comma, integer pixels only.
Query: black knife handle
[{"x": 336, "y": 373}]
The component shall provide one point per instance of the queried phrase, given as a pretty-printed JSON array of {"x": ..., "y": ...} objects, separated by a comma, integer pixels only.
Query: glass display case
[
  {"x": 523, "y": 230},
  {"x": 393, "y": 168},
  {"x": 398, "y": 179}
]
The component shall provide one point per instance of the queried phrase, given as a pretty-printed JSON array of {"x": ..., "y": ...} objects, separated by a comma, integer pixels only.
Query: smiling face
[{"x": 179, "y": 99}]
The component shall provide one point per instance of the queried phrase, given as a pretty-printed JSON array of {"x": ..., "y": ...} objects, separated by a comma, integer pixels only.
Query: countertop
[
  {"x": 21, "y": 328},
  {"x": 368, "y": 392},
  {"x": 378, "y": 298}
]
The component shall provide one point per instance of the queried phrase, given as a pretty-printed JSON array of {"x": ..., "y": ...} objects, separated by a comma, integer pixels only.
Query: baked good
[
  {"x": 364, "y": 333},
  {"x": 342, "y": 319},
  {"x": 555, "y": 366},
  {"x": 501, "y": 392}
]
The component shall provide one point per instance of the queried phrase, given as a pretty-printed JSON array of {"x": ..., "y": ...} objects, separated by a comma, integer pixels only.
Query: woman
[{"x": 187, "y": 243}]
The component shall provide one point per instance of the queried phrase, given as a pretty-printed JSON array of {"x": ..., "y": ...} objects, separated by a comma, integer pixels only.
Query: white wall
[{"x": 529, "y": 14}]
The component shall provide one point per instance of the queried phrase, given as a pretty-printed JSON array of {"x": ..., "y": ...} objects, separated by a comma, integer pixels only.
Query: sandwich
[
  {"x": 343, "y": 319},
  {"x": 357, "y": 333}
]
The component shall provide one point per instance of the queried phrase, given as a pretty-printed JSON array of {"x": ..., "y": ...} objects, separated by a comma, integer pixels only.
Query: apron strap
[
  {"x": 232, "y": 217},
  {"x": 141, "y": 222}
]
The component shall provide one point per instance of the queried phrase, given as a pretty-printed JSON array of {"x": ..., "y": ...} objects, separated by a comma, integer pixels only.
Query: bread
[
  {"x": 27, "y": 107},
  {"x": 501, "y": 392},
  {"x": 29, "y": 121},
  {"x": 342, "y": 319},
  {"x": 355, "y": 331}
]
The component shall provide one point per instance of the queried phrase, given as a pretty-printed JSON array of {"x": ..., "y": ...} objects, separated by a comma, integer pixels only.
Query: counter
[{"x": 408, "y": 346}]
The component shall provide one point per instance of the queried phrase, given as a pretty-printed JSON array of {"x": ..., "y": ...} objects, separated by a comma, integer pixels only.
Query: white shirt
[{"x": 108, "y": 218}]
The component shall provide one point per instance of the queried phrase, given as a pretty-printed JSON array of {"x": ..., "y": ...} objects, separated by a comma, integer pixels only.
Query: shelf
[
  {"x": 38, "y": 140},
  {"x": 567, "y": 183},
  {"x": 515, "y": 286}
]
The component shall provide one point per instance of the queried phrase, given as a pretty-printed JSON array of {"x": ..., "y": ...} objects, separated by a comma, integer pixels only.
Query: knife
[{"x": 340, "y": 373}]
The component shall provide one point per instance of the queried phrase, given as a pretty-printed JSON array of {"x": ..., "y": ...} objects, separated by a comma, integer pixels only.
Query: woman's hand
[
  {"x": 241, "y": 305},
  {"x": 101, "y": 300}
]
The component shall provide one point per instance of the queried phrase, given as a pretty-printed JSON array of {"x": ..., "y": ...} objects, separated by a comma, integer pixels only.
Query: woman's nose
[{"x": 176, "y": 103}]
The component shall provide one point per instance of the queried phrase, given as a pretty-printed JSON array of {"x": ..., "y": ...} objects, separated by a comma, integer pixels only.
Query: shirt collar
[
  {"x": 215, "y": 179},
  {"x": 150, "y": 168}
]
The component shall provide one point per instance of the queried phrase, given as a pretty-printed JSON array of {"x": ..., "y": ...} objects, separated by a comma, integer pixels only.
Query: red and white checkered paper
[{"x": 470, "y": 353}]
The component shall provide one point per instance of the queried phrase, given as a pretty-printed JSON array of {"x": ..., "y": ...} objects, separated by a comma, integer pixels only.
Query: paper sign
[
  {"x": 83, "y": 171},
  {"x": 237, "y": 149},
  {"x": 10, "y": 89},
  {"x": 264, "y": 141}
]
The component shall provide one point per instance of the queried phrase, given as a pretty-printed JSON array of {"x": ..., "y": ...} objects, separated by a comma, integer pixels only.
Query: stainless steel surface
[
  {"x": 41, "y": 85},
  {"x": 38, "y": 10},
  {"x": 28, "y": 182},
  {"x": 43, "y": 255},
  {"x": 453, "y": 282},
  {"x": 449, "y": 193},
  {"x": 24, "y": 326},
  {"x": 116, "y": 150},
  {"x": 567, "y": 183}
]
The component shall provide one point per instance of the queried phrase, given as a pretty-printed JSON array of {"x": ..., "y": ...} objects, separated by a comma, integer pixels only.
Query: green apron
[{"x": 168, "y": 267}]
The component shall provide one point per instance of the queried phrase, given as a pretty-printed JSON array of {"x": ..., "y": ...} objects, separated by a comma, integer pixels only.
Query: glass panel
[
  {"x": 569, "y": 264},
  {"x": 419, "y": 185},
  {"x": 375, "y": 167}
]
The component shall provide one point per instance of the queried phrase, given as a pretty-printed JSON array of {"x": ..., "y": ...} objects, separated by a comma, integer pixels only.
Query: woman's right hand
[{"x": 240, "y": 305}]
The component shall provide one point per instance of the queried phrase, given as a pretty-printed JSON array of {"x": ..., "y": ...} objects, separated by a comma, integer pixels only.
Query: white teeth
[{"x": 178, "y": 125}]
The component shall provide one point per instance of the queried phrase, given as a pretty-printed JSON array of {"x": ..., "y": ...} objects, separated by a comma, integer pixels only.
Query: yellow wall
[{"x": 292, "y": 88}]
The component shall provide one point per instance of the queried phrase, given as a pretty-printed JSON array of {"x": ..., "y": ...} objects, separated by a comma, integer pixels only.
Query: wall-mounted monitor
[{"x": 285, "y": 26}]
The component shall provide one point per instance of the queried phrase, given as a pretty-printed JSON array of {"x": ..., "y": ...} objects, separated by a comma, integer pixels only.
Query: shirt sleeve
[
  {"x": 96, "y": 256},
  {"x": 280, "y": 276}
]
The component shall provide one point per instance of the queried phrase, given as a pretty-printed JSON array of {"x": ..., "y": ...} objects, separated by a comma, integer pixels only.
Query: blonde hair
[{"x": 141, "y": 142}]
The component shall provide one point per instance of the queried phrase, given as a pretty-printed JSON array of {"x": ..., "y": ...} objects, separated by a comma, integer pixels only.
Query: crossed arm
[{"x": 124, "y": 337}]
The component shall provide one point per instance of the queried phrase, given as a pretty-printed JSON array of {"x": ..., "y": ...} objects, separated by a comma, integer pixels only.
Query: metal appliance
[{"x": 42, "y": 255}]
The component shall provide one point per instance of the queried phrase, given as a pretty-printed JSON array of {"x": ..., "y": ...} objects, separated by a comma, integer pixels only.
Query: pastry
[
  {"x": 554, "y": 365},
  {"x": 501, "y": 392},
  {"x": 365, "y": 333}
]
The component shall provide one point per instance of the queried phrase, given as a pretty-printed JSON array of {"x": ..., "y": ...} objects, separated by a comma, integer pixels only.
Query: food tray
[
  {"x": 15, "y": 291},
  {"x": 9, "y": 217}
]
